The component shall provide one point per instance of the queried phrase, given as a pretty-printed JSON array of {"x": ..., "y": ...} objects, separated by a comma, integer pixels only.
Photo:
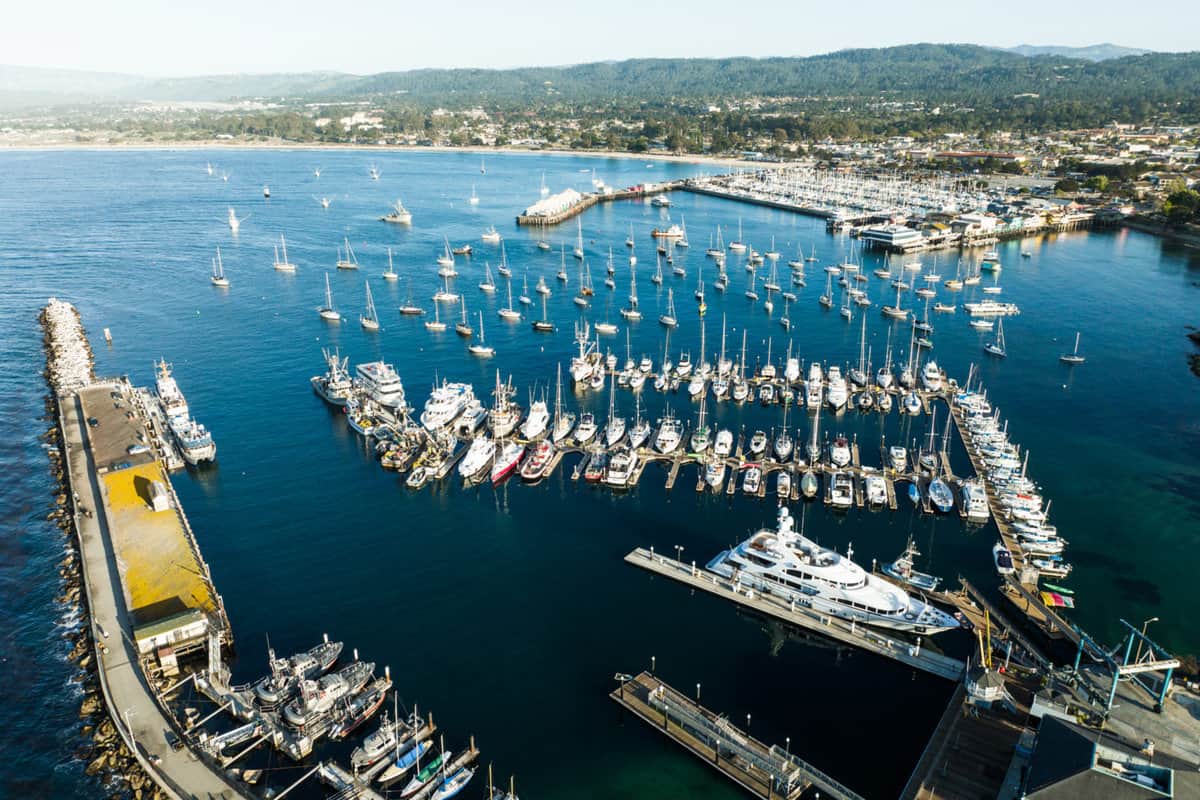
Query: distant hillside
[
  {"x": 1095, "y": 52},
  {"x": 938, "y": 73}
]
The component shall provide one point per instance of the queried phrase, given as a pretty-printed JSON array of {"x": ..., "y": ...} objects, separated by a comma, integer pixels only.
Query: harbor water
[{"x": 507, "y": 611}]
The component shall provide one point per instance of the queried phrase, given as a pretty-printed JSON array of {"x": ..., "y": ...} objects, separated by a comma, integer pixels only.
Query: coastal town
[{"x": 675, "y": 427}]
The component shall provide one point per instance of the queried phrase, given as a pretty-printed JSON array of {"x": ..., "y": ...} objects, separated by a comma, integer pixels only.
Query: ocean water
[{"x": 507, "y": 611}]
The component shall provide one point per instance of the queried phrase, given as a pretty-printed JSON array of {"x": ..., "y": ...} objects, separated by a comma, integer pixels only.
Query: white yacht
[
  {"x": 380, "y": 383},
  {"x": 836, "y": 391},
  {"x": 536, "y": 421},
  {"x": 784, "y": 563},
  {"x": 479, "y": 456},
  {"x": 813, "y": 386},
  {"x": 445, "y": 403},
  {"x": 974, "y": 500},
  {"x": 670, "y": 433},
  {"x": 931, "y": 377}
]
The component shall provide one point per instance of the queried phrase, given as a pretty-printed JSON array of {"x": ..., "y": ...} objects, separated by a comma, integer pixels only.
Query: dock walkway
[
  {"x": 895, "y": 647},
  {"x": 133, "y": 705},
  {"x": 764, "y": 771}
]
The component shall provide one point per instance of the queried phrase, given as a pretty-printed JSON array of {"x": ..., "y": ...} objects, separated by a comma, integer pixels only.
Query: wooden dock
[
  {"x": 891, "y": 645},
  {"x": 764, "y": 771}
]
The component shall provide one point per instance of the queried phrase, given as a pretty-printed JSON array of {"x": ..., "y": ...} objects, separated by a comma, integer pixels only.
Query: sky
[{"x": 172, "y": 38}]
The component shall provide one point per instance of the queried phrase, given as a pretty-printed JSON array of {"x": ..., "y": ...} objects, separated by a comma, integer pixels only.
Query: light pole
[
  {"x": 679, "y": 552},
  {"x": 788, "y": 745},
  {"x": 697, "y": 694},
  {"x": 1145, "y": 625},
  {"x": 652, "y": 660}
]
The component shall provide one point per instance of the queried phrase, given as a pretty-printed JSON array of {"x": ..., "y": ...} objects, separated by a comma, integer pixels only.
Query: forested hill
[{"x": 924, "y": 71}]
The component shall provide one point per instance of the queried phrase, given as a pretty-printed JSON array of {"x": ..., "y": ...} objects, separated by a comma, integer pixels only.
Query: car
[
  {"x": 135, "y": 449},
  {"x": 173, "y": 740},
  {"x": 92, "y": 421}
]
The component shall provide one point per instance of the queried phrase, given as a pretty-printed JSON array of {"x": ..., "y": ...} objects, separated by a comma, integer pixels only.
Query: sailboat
[
  {"x": 436, "y": 325},
  {"x": 614, "y": 430},
  {"x": 234, "y": 222},
  {"x": 390, "y": 275},
  {"x": 578, "y": 251},
  {"x": 737, "y": 245},
  {"x": 218, "y": 272},
  {"x": 327, "y": 311},
  {"x": 772, "y": 254},
  {"x": 487, "y": 286},
  {"x": 347, "y": 260},
  {"x": 409, "y": 309},
  {"x": 751, "y": 293},
  {"x": 479, "y": 348},
  {"x": 657, "y": 277},
  {"x": 895, "y": 312},
  {"x": 266, "y": 191},
  {"x": 607, "y": 328},
  {"x": 284, "y": 265},
  {"x": 474, "y": 198},
  {"x": 562, "y": 269},
  {"x": 369, "y": 320},
  {"x": 463, "y": 328},
  {"x": 543, "y": 325},
  {"x": 847, "y": 311},
  {"x": 668, "y": 319},
  {"x": 525, "y": 299},
  {"x": 996, "y": 348},
  {"x": 509, "y": 313},
  {"x": 826, "y": 299},
  {"x": 1072, "y": 357},
  {"x": 209, "y": 167},
  {"x": 632, "y": 312},
  {"x": 446, "y": 259},
  {"x": 564, "y": 421},
  {"x": 702, "y": 433},
  {"x": 858, "y": 374}
]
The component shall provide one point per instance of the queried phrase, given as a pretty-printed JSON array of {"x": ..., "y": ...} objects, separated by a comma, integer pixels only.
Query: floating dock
[
  {"x": 889, "y": 645},
  {"x": 764, "y": 771}
]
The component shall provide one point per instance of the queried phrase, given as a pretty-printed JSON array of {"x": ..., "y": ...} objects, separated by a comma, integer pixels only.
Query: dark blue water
[{"x": 507, "y": 611}]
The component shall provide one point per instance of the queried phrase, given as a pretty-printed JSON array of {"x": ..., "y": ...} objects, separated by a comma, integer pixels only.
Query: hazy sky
[{"x": 166, "y": 37}]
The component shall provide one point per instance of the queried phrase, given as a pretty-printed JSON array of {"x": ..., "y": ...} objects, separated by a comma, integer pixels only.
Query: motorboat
[{"x": 902, "y": 570}]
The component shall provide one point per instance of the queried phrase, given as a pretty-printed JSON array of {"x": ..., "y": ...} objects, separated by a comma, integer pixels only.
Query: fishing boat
[
  {"x": 369, "y": 320},
  {"x": 902, "y": 570},
  {"x": 327, "y": 311},
  {"x": 283, "y": 265},
  {"x": 538, "y": 460},
  {"x": 319, "y": 697},
  {"x": 346, "y": 258},
  {"x": 1072, "y": 357},
  {"x": 399, "y": 215},
  {"x": 218, "y": 272}
]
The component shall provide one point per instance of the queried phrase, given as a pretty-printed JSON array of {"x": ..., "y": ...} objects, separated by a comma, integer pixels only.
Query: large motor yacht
[
  {"x": 380, "y": 383},
  {"x": 782, "y": 562}
]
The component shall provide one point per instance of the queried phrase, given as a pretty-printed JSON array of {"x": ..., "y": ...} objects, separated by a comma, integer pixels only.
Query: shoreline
[{"x": 214, "y": 144}]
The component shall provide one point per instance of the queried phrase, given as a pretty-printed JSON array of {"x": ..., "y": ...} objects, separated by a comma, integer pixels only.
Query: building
[
  {"x": 1067, "y": 764},
  {"x": 890, "y": 237}
]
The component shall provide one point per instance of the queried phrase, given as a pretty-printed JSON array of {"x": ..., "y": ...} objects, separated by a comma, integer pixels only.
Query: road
[{"x": 129, "y": 696}]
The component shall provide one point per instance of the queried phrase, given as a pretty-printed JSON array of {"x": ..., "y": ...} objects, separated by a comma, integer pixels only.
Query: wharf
[
  {"x": 893, "y": 646},
  {"x": 768, "y": 772},
  {"x": 594, "y": 198},
  {"x": 136, "y": 709}
]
